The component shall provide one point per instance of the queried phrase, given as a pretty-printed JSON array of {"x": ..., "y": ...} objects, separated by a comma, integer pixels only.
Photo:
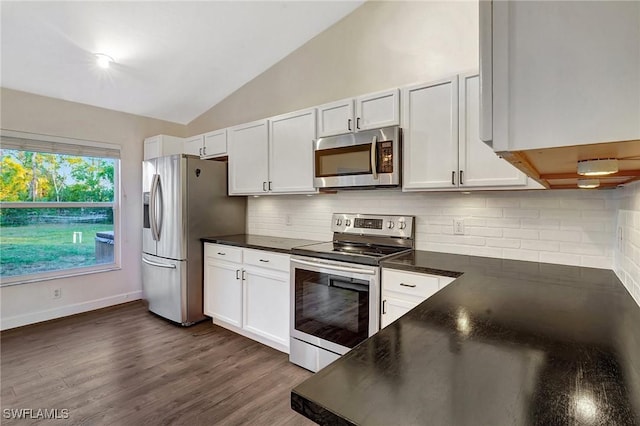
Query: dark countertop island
[
  {"x": 507, "y": 343},
  {"x": 260, "y": 242}
]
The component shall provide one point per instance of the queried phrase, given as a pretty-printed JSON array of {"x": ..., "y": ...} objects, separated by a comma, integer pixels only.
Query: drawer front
[
  {"x": 421, "y": 285},
  {"x": 267, "y": 259},
  {"x": 223, "y": 252}
]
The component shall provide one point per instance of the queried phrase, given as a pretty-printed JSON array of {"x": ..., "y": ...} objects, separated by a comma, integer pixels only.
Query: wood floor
[{"x": 124, "y": 366}]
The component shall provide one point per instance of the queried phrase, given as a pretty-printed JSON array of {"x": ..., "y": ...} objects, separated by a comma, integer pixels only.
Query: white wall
[
  {"x": 570, "y": 227},
  {"x": 627, "y": 244},
  {"x": 382, "y": 44},
  {"x": 28, "y": 303}
]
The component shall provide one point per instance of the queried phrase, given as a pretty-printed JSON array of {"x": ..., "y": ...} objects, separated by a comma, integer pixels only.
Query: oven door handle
[{"x": 335, "y": 267}]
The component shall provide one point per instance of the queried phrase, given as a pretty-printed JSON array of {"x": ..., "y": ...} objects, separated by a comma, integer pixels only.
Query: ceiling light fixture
[
  {"x": 103, "y": 60},
  {"x": 588, "y": 183},
  {"x": 599, "y": 167}
]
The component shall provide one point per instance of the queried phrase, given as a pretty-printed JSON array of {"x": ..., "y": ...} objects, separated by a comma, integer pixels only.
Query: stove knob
[
  {"x": 338, "y": 222},
  {"x": 390, "y": 225},
  {"x": 347, "y": 222},
  {"x": 402, "y": 225}
]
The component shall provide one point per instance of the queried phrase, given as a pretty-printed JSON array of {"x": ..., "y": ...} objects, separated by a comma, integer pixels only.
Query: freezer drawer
[{"x": 164, "y": 287}]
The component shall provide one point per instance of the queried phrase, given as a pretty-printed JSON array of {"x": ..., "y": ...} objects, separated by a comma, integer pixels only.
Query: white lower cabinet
[
  {"x": 223, "y": 291},
  {"x": 266, "y": 304},
  {"x": 247, "y": 291},
  {"x": 403, "y": 291}
]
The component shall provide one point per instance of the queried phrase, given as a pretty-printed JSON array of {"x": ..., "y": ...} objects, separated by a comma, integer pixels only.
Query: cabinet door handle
[
  {"x": 453, "y": 177},
  {"x": 384, "y": 307},
  {"x": 200, "y": 151},
  {"x": 461, "y": 180},
  {"x": 407, "y": 285},
  {"x": 204, "y": 150},
  {"x": 358, "y": 123},
  {"x": 244, "y": 275},
  {"x": 264, "y": 186},
  {"x": 222, "y": 253},
  {"x": 264, "y": 260},
  {"x": 349, "y": 124},
  {"x": 237, "y": 274},
  {"x": 270, "y": 185}
]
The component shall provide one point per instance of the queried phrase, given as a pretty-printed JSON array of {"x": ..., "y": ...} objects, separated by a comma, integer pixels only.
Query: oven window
[
  {"x": 332, "y": 307},
  {"x": 350, "y": 160}
]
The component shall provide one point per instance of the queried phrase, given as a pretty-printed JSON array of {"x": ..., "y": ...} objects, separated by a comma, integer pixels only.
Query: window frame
[{"x": 93, "y": 151}]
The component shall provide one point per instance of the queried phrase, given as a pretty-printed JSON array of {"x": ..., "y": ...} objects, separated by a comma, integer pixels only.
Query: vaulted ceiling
[{"x": 172, "y": 60}]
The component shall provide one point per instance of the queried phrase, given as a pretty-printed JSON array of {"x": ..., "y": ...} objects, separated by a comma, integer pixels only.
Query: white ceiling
[{"x": 174, "y": 60}]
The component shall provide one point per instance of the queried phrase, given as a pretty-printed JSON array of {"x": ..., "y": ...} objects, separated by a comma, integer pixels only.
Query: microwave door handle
[{"x": 374, "y": 158}]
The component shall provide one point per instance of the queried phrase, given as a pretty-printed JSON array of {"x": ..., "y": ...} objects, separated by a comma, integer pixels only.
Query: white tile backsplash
[
  {"x": 627, "y": 239},
  {"x": 574, "y": 227}
]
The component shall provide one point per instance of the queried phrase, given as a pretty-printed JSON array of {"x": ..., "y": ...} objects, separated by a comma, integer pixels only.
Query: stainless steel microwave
[{"x": 364, "y": 159}]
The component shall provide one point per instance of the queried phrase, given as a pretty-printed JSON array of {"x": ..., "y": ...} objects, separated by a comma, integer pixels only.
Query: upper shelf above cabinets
[{"x": 372, "y": 111}]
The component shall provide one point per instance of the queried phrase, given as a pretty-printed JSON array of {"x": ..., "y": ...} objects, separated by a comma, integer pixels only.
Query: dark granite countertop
[
  {"x": 507, "y": 343},
  {"x": 260, "y": 242}
]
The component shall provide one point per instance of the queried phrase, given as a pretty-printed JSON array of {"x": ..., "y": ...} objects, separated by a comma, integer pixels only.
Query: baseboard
[
  {"x": 253, "y": 336},
  {"x": 63, "y": 311}
]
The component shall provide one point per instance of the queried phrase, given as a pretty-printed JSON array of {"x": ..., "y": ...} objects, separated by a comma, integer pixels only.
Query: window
[{"x": 58, "y": 207}]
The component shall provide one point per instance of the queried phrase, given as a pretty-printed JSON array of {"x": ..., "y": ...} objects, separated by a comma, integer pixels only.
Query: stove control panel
[{"x": 366, "y": 224}]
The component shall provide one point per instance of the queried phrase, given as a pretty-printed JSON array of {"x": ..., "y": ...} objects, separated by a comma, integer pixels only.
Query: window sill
[{"x": 55, "y": 275}]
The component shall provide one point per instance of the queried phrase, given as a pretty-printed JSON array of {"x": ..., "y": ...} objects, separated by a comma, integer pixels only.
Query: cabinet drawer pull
[
  {"x": 222, "y": 254},
  {"x": 263, "y": 260},
  {"x": 407, "y": 285}
]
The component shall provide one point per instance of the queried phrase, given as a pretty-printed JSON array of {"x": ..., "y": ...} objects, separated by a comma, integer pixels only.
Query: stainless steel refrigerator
[{"x": 184, "y": 199}]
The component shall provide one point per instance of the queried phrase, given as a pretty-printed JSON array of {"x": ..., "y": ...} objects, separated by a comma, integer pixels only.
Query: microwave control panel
[{"x": 385, "y": 157}]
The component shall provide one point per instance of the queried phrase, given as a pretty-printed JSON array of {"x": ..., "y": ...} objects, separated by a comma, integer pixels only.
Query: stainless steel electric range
[{"x": 335, "y": 286}]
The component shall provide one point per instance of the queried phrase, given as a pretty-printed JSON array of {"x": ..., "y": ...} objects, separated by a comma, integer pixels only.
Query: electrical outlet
[
  {"x": 458, "y": 226},
  {"x": 287, "y": 220},
  {"x": 56, "y": 293}
]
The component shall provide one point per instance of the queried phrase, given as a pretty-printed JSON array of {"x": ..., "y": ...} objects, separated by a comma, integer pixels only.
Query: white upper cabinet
[
  {"x": 193, "y": 145},
  {"x": 291, "y": 152},
  {"x": 559, "y": 73},
  {"x": 215, "y": 144},
  {"x": 479, "y": 166},
  {"x": 162, "y": 145},
  {"x": 273, "y": 156},
  {"x": 208, "y": 145},
  {"x": 430, "y": 126},
  {"x": 372, "y": 111},
  {"x": 248, "y": 158},
  {"x": 377, "y": 110},
  {"x": 335, "y": 118},
  {"x": 442, "y": 148}
]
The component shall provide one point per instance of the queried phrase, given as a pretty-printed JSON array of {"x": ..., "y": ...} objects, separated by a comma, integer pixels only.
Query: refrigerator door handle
[
  {"x": 159, "y": 219},
  {"x": 160, "y": 265},
  {"x": 152, "y": 208}
]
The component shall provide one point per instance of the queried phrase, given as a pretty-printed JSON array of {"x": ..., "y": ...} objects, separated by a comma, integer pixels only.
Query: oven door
[
  {"x": 334, "y": 305},
  {"x": 369, "y": 158}
]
